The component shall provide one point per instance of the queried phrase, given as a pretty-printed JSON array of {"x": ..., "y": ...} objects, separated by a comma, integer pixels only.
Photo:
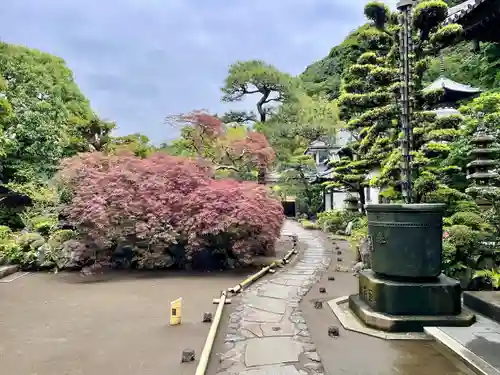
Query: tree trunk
[
  {"x": 261, "y": 176},
  {"x": 362, "y": 199},
  {"x": 260, "y": 104}
]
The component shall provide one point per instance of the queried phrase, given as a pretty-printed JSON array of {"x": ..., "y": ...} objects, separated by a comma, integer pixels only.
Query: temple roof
[
  {"x": 461, "y": 10},
  {"x": 448, "y": 84}
]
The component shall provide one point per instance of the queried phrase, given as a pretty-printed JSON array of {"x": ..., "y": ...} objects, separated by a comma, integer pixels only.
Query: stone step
[
  {"x": 476, "y": 346},
  {"x": 7, "y": 270},
  {"x": 486, "y": 303}
]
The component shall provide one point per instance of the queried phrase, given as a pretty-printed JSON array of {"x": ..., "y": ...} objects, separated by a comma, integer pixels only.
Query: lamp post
[{"x": 405, "y": 52}]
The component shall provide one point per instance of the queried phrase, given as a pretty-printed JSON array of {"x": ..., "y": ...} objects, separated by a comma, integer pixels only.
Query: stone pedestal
[
  {"x": 405, "y": 290},
  {"x": 405, "y": 306}
]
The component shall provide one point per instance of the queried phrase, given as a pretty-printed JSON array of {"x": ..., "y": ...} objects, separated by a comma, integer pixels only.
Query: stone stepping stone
[
  {"x": 260, "y": 316},
  {"x": 272, "y": 370},
  {"x": 278, "y": 291},
  {"x": 272, "y": 350},
  {"x": 273, "y": 305}
]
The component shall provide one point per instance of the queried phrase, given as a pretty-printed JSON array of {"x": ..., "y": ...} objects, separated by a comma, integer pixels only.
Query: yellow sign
[{"x": 175, "y": 312}]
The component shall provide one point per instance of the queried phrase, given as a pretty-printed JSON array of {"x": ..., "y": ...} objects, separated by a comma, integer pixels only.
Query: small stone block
[
  {"x": 272, "y": 271},
  {"x": 322, "y": 290},
  {"x": 318, "y": 304},
  {"x": 331, "y": 278},
  {"x": 188, "y": 355},
  {"x": 207, "y": 317},
  {"x": 333, "y": 331}
]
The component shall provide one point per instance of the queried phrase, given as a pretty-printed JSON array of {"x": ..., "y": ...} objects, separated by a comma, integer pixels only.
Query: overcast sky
[{"x": 140, "y": 60}]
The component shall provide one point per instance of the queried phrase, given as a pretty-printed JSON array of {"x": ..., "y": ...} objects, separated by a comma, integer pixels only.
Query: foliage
[
  {"x": 323, "y": 77},
  {"x": 462, "y": 63},
  {"x": 232, "y": 149},
  {"x": 44, "y": 115},
  {"x": 296, "y": 178},
  {"x": 335, "y": 221},
  {"x": 307, "y": 224},
  {"x": 366, "y": 105},
  {"x": 359, "y": 231},
  {"x": 297, "y": 123},
  {"x": 491, "y": 277},
  {"x": 161, "y": 203},
  {"x": 137, "y": 143},
  {"x": 257, "y": 77}
]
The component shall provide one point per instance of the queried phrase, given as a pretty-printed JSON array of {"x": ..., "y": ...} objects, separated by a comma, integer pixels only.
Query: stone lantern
[{"x": 481, "y": 170}]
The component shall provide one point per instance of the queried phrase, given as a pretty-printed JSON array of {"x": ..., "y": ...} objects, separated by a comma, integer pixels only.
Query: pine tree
[
  {"x": 433, "y": 174},
  {"x": 367, "y": 103}
]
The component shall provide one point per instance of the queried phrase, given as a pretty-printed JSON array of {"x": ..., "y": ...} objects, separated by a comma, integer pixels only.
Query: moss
[{"x": 27, "y": 239}]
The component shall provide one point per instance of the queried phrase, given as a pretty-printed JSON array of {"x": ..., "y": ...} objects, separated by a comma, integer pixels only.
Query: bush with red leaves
[
  {"x": 161, "y": 203},
  {"x": 209, "y": 138}
]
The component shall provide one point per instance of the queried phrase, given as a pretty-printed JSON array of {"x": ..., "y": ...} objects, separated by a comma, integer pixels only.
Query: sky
[{"x": 139, "y": 61}]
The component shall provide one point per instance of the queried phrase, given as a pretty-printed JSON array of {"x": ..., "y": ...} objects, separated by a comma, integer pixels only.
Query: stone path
[{"x": 267, "y": 333}]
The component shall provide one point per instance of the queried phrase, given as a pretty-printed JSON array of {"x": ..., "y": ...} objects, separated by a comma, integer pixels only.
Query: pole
[
  {"x": 207, "y": 349},
  {"x": 405, "y": 49}
]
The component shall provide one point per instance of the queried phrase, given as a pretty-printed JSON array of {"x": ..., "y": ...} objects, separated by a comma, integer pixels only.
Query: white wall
[
  {"x": 372, "y": 193},
  {"x": 328, "y": 202},
  {"x": 338, "y": 200}
]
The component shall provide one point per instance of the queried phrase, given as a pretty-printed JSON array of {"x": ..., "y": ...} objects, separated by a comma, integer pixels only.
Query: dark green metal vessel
[{"x": 406, "y": 239}]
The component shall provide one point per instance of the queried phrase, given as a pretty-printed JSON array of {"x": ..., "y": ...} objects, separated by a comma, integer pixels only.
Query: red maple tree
[
  {"x": 212, "y": 140},
  {"x": 162, "y": 201}
]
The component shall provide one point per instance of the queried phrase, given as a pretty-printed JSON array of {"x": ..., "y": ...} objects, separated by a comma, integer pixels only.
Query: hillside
[{"x": 463, "y": 64}]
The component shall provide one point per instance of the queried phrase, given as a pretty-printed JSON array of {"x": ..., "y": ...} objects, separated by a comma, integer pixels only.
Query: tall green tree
[
  {"x": 433, "y": 178},
  {"x": 49, "y": 118},
  {"x": 367, "y": 103}
]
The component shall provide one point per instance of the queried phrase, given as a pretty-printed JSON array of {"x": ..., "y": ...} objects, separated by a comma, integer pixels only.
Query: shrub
[
  {"x": 470, "y": 219},
  {"x": 160, "y": 203},
  {"x": 307, "y": 224},
  {"x": 336, "y": 220},
  {"x": 359, "y": 232}
]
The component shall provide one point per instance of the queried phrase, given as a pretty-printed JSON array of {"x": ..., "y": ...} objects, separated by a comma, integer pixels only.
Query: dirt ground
[
  {"x": 60, "y": 325},
  {"x": 358, "y": 354},
  {"x": 117, "y": 323}
]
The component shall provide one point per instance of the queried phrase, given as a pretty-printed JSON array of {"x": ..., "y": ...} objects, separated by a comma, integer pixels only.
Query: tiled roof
[
  {"x": 445, "y": 83},
  {"x": 461, "y": 10},
  {"x": 441, "y": 112}
]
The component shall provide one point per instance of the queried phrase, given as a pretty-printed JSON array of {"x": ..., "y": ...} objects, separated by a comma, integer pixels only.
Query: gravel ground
[
  {"x": 117, "y": 323},
  {"x": 60, "y": 325}
]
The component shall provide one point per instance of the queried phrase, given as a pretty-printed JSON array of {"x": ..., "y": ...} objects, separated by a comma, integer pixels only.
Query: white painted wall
[
  {"x": 338, "y": 200},
  {"x": 328, "y": 201},
  {"x": 372, "y": 193}
]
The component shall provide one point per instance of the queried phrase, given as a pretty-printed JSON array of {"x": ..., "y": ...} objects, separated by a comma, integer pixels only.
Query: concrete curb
[
  {"x": 471, "y": 360},
  {"x": 7, "y": 271}
]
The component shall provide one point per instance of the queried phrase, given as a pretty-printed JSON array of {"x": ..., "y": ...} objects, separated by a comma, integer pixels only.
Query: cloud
[{"x": 141, "y": 60}]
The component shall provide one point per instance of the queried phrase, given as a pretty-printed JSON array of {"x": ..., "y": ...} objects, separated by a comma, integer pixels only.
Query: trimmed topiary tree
[{"x": 367, "y": 103}]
